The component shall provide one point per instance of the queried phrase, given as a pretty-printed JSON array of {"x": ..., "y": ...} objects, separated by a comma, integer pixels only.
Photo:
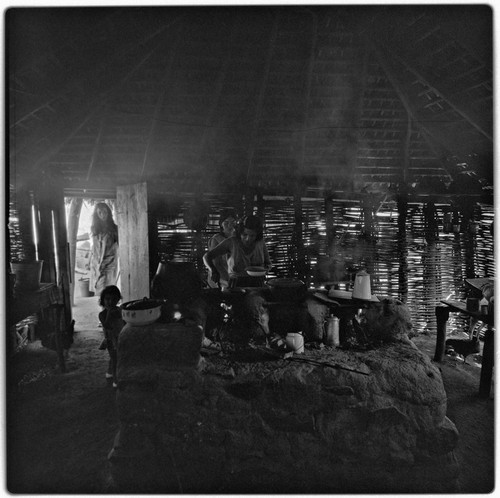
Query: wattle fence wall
[
  {"x": 422, "y": 275},
  {"x": 434, "y": 271}
]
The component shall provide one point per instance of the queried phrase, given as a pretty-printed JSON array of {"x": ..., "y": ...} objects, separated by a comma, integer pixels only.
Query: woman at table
[
  {"x": 104, "y": 253},
  {"x": 245, "y": 248}
]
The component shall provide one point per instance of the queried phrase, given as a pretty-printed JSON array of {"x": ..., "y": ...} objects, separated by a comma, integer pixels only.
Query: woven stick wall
[{"x": 435, "y": 271}]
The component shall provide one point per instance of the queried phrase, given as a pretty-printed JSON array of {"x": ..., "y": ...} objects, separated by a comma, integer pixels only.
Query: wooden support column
[
  {"x": 53, "y": 226},
  {"x": 442, "y": 315},
  {"x": 154, "y": 239},
  {"x": 62, "y": 248},
  {"x": 299, "y": 236},
  {"x": 402, "y": 203},
  {"x": 46, "y": 236},
  {"x": 330, "y": 231},
  {"x": 53, "y": 238},
  {"x": 467, "y": 210},
  {"x": 488, "y": 360},
  {"x": 73, "y": 220},
  {"x": 132, "y": 220},
  {"x": 430, "y": 259},
  {"x": 58, "y": 320}
]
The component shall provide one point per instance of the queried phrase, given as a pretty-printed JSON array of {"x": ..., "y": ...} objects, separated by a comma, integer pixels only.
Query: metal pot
[
  {"x": 141, "y": 312},
  {"x": 287, "y": 289}
]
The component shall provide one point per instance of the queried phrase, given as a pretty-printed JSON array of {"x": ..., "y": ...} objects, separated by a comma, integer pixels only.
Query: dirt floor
[{"x": 61, "y": 427}]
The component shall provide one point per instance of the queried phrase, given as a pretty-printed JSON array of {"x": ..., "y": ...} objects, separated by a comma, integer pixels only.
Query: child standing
[{"x": 112, "y": 324}]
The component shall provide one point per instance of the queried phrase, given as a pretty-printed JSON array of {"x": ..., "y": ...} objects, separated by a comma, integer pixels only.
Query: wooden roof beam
[
  {"x": 405, "y": 101},
  {"x": 455, "y": 105}
]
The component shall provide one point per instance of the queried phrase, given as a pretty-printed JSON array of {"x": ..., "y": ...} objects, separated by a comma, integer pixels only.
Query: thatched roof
[{"x": 327, "y": 97}]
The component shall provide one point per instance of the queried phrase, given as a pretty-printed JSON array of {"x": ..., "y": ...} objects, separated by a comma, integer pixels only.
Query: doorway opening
[{"x": 79, "y": 213}]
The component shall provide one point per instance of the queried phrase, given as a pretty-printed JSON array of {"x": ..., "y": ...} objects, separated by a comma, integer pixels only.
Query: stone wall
[{"x": 326, "y": 421}]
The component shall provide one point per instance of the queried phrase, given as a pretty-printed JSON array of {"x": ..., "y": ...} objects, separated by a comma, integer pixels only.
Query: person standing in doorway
[{"x": 104, "y": 252}]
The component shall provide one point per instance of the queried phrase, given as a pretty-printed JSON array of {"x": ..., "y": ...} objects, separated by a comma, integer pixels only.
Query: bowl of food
[
  {"x": 255, "y": 271},
  {"x": 141, "y": 312}
]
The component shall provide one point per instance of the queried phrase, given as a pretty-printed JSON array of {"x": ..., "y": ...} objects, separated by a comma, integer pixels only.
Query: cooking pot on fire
[
  {"x": 287, "y": 289},
  {"x": 141, "y": 311}
]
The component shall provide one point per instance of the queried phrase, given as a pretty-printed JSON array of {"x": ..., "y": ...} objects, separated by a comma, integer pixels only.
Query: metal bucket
[{"x": 84, "y": 287}]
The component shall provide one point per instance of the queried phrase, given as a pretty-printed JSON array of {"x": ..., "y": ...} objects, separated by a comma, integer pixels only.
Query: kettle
[{"x": 362, "y": 288}]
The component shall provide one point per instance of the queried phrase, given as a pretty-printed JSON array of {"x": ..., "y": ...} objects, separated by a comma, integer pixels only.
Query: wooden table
[{"x": 442, "y": 315}]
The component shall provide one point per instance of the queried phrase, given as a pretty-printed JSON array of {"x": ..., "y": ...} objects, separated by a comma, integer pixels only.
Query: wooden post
[
  {"x": 430, "y": 258},
  {"x": 467, "y": 210},
  {"x": 330, "y": 232},
  {"x": 402, "y": 203},
  {"x": 73, "y": 219},
  {"x": 442, "y": 315},
  {"x": 57, "y": 311},
  {"x": 62, "y": 247},
  {"x": 487, "y": 367},
  {"x": 132, "y": 221},
  {"x": 54, "y": 221},
  {"x": 154, "y": 240},
  {"x": 45, "y": 235},
  {"x": 298, "y": 235}
]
